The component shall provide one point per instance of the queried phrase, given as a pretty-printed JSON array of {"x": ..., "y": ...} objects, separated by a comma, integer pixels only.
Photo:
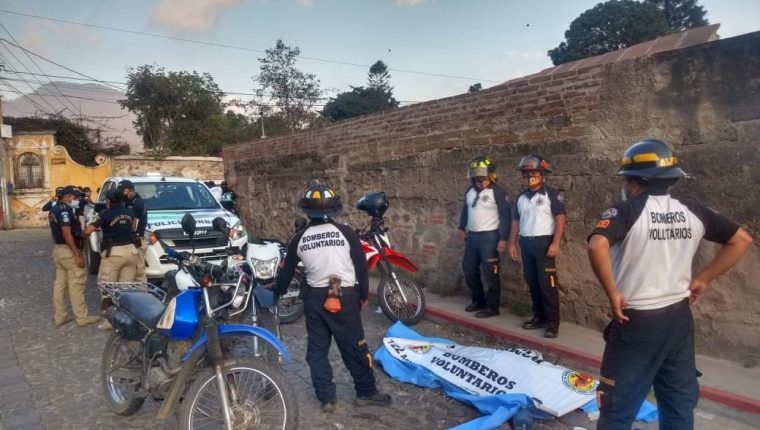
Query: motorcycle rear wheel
[
  {"x": 409, "y": 310},
  {"x": 125, "y": 356},
  {"x": 264, "y": 399}
]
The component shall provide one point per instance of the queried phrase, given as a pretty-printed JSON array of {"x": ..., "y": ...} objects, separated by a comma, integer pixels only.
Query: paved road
[{"x": 49, "y": 376}]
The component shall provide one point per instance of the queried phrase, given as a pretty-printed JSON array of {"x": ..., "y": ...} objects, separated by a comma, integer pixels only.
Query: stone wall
[
  {"x": 203, "y": 168},
  {"x": 703, "y": 100}
]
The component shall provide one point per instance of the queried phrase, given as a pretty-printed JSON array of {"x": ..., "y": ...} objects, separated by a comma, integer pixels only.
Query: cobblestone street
[{"x": 49, "y": 376}]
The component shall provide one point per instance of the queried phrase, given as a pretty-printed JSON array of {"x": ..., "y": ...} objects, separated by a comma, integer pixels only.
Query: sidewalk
[{"x": 723, "y": 382}]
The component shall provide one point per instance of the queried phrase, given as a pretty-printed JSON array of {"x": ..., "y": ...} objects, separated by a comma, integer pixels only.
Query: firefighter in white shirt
[
  {"x": 539, "y": 217},
  {"x": 648, "y": 279},
  {"x": 484, "y": 228},
  {"x": 333, "y": 260}
]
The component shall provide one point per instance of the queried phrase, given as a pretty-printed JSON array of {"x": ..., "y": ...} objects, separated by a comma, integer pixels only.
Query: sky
[{"x": 486, "y": 41}]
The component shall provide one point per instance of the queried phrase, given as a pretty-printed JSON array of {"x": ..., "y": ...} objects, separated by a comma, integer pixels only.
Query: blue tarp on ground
[{"x": 496, "y": 409}]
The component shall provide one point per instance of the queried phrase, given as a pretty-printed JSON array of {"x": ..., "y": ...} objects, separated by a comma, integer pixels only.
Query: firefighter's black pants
[
  {"x": 480, "y": 254},
  {"x": 655, "y": 347},
  {"x": 544, "y": 295},
  {"x": 346, "y": 327}
]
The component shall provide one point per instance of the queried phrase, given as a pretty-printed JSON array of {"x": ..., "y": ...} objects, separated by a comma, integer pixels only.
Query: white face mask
[
  {"x": 74, "y": 204},
  {"x": 623, "y": 195}
]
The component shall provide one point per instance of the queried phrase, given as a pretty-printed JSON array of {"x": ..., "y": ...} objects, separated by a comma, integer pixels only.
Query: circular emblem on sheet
[{"x": 579, "y": 382}]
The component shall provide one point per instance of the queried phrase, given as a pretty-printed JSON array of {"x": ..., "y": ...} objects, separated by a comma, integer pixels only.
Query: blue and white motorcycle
[{"x": 173, "y": 353}]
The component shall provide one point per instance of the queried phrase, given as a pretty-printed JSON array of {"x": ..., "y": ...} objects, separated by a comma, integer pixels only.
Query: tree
[
  {"x": 81, "y": 142},
  {"x": 376, "y": 96},
  {"x": 610, "y": 26},
  {"x": 681, "y": 14},
  {"x": 284, "y": 89},
  {"x": 176, "y": 112},
  {"x": 475, "y": 87}
]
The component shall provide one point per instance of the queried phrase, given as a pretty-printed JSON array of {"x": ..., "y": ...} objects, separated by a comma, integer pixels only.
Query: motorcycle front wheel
[
  {"x": 401, "y": 299},
  {"x": 121, "y": 373},
  {"x": 291, "y": 303},
  {"x": 260, "y": 398}
]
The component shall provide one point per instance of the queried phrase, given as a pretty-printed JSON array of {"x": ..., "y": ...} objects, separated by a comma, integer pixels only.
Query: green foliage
[
  {"x": 82, "y": 143},
  {"x": 285, "y": 93},
  {"x": 610, "y": 26},
  {"x": 177, "y": 112},
  {"x": 376, "y": 96},
  {"x": 681, "y": 14}
]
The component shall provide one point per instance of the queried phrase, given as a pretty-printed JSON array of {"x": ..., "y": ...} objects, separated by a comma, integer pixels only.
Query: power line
[
  {"x": 5, "y": 59},
  {"x": 38, "y": 67},
  {"x": 34, "y": 102},
  {"x": 4, "y": 41},
  {"x": 240, "y": 48},
  {"x": 237, "y": 93}
]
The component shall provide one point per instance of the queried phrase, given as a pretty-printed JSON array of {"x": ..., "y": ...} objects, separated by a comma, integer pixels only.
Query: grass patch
[{"x": 522, "y": 309}]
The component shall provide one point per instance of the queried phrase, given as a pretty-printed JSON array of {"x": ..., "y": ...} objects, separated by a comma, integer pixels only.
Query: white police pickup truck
[{"x": 167, "y": 200}]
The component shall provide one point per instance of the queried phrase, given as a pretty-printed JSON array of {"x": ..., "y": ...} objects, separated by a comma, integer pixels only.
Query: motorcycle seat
[{"x": 145, "y": 307}]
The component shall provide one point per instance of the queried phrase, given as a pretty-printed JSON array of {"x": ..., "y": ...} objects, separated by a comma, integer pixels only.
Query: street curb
[{"x": 732, "y": 400}]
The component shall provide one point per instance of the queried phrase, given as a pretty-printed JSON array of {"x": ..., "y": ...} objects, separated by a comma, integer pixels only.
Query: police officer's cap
[
  {"x": 126, "y": 184},
  {"x": 321, "y": 202},
  {"x": 70, "y": 189},
  {"x": 650, "y": 159},
  {"x": 114, "y": 196}
]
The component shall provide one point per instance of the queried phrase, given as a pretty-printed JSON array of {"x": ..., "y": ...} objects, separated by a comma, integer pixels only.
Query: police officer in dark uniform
[
  {"x": 333, "y": 262},
  {"x": 648, "y": 280},
  {"x": 47, "y": 206},
  {"x": 69, "y": 261},
  {"x": 539, "y": 218},
  {"x": 140, "y": 214},
  {"x": 484, "y": 228}
]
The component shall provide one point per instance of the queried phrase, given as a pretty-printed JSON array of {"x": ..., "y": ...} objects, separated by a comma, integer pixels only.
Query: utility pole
[{"x": 5, "y": 206}]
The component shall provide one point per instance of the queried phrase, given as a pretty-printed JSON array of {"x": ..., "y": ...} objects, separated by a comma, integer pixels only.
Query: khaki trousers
[
  {"x": 121, "y": 265},
  {"x": 140, "y": 276},
  {"x": 69, "y": 278}
]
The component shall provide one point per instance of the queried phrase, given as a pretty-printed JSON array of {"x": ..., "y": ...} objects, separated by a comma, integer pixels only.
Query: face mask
[
  {"x": 623, "y": 195},
  {"x": 74, "y": 204}
]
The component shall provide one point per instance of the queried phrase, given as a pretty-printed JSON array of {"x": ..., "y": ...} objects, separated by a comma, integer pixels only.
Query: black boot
[{"x": 533, "y": 324}]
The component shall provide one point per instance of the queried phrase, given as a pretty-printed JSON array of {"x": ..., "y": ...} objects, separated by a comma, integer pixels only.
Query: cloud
[
  {"x": 408, "y": 2},
  {"x": 526, "y": 54},
  {"x": 192, "y": 15},
  {"x": 305, "y": 3},
  {"x": 45, "y": 37}
]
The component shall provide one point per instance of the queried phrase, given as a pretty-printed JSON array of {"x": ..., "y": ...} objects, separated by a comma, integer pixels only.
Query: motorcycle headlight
[
  {"x": 264, "y": 269},
  {"x": 237, "y": 232}
]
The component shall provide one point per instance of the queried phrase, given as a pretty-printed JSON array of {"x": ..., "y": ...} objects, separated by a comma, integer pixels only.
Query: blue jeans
[{"x": 480, "y": 254}]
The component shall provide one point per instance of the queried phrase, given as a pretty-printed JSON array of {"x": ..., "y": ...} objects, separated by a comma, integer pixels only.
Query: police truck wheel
[
  {"x": 92, "y": 259},
  {"x": 408, "y": 307},
  {"x": 263, "y": 398},
  {"x": 121, "y": 373}
]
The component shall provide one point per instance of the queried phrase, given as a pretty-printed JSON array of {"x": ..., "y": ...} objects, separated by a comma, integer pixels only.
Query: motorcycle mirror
[
  {"x": 301, "y": 223},
  {"x": 188, "y": 225},
  {"x": 219, "y": 224}
]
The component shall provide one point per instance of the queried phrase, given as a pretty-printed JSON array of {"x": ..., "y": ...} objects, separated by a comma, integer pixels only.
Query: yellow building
[{"x": 35, "y": 166}]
